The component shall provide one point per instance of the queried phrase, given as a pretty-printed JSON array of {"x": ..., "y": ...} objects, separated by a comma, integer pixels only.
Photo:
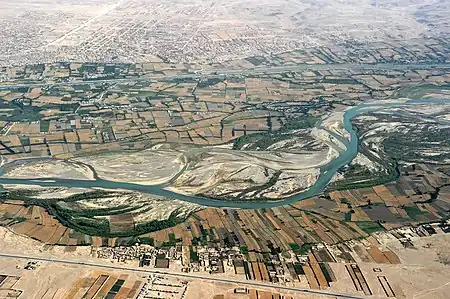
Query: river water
[{"x": 327, "y": 171}]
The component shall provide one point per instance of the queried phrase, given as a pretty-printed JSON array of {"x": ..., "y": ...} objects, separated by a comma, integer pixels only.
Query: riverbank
[{"x": 327, "y": 171}]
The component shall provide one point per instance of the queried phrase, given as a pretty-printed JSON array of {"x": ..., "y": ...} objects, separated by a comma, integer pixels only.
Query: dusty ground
[
  {"x": 148, "y": 167},
  {"x": 48, "y": 192},
  {"x": 13, "y": 243},
  {"x": 50, "y": 280},
  {"x": 56, "y": 281},
  {"x": 148, "y": 207},
  {"x": 60, "y": 278},
  {"x": 420, "y": 275},
  {"x": 207, "y": 290},
  {"x": 425, "y": 271},
  {"x": 334, "y": 123},
  {"x": 221, "y": 172},
  {"x": 29, "y": 169}
]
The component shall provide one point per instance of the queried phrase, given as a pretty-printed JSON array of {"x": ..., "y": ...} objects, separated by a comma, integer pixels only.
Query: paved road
[
  {"x": 181, "y": 275},
  {"x": 220, "y": 73}
]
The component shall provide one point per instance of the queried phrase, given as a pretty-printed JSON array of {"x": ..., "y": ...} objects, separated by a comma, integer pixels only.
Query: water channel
[{"x": 326, "y": 174}]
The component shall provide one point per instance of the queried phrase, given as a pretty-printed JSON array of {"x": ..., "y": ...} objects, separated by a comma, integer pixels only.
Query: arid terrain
[
  {"x": 421, "y": 274},
  {"x": 204, "y": 31}
]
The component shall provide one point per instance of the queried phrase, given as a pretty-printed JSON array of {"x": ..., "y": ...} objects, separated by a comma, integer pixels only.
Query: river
[{"x": 327, "y": 171}]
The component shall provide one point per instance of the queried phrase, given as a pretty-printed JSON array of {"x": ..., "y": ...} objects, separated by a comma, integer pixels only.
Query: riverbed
[{"x": 326, "y": 172}]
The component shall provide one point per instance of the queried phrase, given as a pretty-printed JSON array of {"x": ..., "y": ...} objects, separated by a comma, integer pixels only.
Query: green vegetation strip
[
  {"x": 262, "y": 141},
  {"x": 301, "y": 250},
  {"x": 413, "y": 211},
  {"x": 88, "y": 221},
  {"x": 369, "y": 226}
]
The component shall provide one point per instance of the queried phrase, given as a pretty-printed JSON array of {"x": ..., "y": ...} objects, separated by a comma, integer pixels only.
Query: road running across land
[
  {"x": 221, "y": 73},
  {"x": 209, "y": 278}
]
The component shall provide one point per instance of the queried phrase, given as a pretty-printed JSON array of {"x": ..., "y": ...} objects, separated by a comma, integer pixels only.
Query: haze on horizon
[{"x": 204, "y": 31}]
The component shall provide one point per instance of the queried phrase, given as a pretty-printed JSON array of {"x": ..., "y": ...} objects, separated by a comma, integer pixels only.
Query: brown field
[
  {"x": 93, "y": 289},
  {"x": 323, "y": 284},
  {"x": 377, "y": 255},
  {"x": 106, "y": 287},
  {"x": 120, "y": 223},
  {"x": 312, "y": 280},
  {"x": 386, "y": 195}
]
